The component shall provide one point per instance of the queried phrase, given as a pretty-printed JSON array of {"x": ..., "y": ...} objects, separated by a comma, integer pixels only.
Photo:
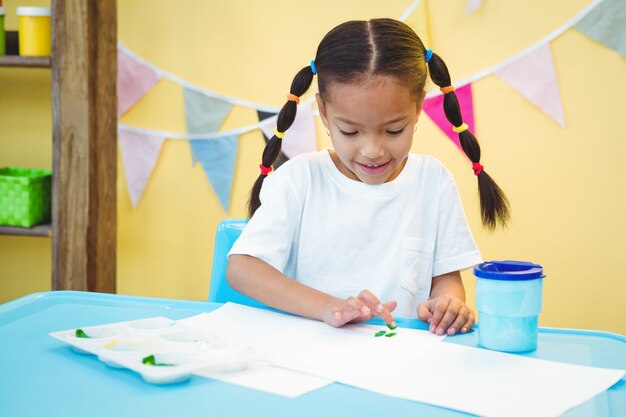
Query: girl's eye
[
  {"x": 348, "y": 133},
  {"x": 395, "y": 132}
]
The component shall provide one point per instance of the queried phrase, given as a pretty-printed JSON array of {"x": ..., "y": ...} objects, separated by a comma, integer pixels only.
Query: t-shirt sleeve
[
  {"x": 269, "y": 233},
  {"x": 455, "y": 248}
]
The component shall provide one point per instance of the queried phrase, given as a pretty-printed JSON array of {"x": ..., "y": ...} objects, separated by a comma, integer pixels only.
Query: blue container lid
[{"x": 509, "y": 270}]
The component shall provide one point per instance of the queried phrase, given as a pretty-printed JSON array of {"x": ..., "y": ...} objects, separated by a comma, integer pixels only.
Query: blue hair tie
[
  {"x": 429, "y": 54},
  {"x": 313, "y": 69}
]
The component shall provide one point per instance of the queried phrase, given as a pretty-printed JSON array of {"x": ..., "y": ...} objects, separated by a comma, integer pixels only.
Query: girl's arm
[
  {"x": 446, "y": 310},
  {"x": 261, "y": 281}
]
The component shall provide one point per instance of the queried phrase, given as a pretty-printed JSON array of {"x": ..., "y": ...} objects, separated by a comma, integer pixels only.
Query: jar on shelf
[{"x": 34, "y": 31}]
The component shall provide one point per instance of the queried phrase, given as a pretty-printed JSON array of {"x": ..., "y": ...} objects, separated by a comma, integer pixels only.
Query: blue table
[{"x": 41, "y": 376}]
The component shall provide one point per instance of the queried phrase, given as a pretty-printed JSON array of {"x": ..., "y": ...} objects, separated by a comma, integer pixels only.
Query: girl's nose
[{"x": 372, "y": 148}]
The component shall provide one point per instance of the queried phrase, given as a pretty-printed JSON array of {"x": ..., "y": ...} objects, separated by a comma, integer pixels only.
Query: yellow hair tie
[
  {"x": 294, "y": 98},
  {"x": 278, "y": 134},
  {"x": 447, "y": 89},
  {"x": 462, "y": 128}
]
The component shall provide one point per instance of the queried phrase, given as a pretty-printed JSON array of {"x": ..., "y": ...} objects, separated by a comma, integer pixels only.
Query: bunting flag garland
[
  {"x": 217, "y": 157},
  {"x": 140, "y": 152},
  {"x": 281, "y": 157},
  {"x": 472, "y": 5},
  {"x": 434, "y": 109},
  {"x": 534, "y": 77},
  {"x": 531, "y": 72},
  {"x": 606, "y": 24},
  {"x": 134, "y": 80},
  {"x": 301, "y": 137}
]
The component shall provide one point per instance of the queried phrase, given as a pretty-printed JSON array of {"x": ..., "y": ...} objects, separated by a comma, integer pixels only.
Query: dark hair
[{"x": 355, "y": 50}]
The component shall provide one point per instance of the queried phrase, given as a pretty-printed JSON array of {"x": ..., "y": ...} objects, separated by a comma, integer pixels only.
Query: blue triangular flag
[
  {"x": 606, "y": 23},
  {"x": 217, "y": 157}
]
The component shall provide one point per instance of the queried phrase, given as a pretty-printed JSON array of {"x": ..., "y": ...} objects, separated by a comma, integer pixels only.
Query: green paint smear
[
  {"x": 390, "y": 334},
  {"x": 391, "y": 327},
  {"x": 81, "y": 333},
  {"x": 149, "y": 360},
  {"x": 380, "y": 333}
]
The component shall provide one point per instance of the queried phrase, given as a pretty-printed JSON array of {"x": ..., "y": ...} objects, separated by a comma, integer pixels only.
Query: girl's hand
[
  {"x": 446, "y": 314},
  {"x": 357, "y": 309}
]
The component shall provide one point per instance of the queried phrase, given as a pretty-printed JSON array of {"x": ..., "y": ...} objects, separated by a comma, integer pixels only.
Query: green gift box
[{"x": 25, "y": 196}]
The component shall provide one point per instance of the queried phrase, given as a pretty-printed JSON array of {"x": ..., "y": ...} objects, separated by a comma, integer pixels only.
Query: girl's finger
[
  {"x": 440, "y": 306},
  {"x": 377, "y": 308},
  {"x": 460, "y": 322},
  {"x": 423, "y": 311},
  {"x": 357, "y": 305},
  {"x": 469, "y": 323},
  {"x": 448, "y": 318}
]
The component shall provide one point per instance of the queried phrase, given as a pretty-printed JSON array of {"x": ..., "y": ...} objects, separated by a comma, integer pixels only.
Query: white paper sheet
[
  {"x": 412, "y": 365},
  {"x": 314, "y": 347},
  {"x": 268, "y": 378}
]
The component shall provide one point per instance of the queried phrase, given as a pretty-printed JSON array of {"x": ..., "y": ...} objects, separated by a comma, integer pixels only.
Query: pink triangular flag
[
  {"x": 140, "y": 152},
  {"x": 434, "y": 109},
  {"x": 534, "y": 77},
  {"x": 301, "y": 137},
  {"x": 134, "y": 80}
]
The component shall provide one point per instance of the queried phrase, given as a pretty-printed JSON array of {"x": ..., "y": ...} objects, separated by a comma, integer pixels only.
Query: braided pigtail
[
  {"x": 300, "y": 84},
  {"x": 494, "y": 206}
]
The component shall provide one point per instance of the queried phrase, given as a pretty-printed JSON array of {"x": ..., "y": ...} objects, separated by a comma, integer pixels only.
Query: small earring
[
  {"x": 327, "y": 133},
  {"x": 415, "y": 129}
]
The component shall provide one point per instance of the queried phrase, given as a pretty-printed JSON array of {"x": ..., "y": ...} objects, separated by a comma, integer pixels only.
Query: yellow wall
[{"x": 566, "y": 185}]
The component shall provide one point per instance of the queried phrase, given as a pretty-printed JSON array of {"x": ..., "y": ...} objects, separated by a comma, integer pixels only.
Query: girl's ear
[{"x": 322, "y": 108}]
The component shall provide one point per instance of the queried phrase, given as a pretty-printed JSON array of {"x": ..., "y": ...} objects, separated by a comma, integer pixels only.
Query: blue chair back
[{"x": 228, "y": 232}]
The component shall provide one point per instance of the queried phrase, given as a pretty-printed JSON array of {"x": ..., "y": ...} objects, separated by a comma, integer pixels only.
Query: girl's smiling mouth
[{"x": 373, "y": 169}]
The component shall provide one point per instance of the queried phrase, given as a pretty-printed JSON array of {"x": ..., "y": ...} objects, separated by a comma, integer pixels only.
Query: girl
[{"x": 332, "y": 233}]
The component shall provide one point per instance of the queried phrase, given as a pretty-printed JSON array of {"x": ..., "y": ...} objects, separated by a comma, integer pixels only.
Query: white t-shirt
[{"x": 341, "y": 236}]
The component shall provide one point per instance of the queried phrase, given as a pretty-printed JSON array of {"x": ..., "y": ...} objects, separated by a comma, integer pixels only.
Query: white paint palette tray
[{"x": 159, "y": 349}]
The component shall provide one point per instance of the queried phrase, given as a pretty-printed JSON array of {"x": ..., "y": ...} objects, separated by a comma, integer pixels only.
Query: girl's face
[{"x": 371, "y": 126}]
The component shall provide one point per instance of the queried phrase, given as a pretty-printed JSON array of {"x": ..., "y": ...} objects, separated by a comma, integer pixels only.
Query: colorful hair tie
[
  {"x": 478, "y": 168},
  {"x": 462, "y": 128},
  {"x": 313, "y": 69},
  {"x": 428, "y": 55},
  {"x": 265, "y": 170},
  {"x": 448, "y": 89},
  {"x": 294, "y": 98},
  {"x": 278, "y": 134}
]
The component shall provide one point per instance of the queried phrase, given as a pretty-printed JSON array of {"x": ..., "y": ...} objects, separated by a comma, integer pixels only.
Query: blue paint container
[{"x": 508, "y": 299}]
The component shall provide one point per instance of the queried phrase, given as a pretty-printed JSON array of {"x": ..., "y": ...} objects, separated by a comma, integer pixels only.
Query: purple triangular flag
[
  {"x": 140, "y": 152},
  {"x": 534, "y": 77},
  {"x": 134, "y": 80}
]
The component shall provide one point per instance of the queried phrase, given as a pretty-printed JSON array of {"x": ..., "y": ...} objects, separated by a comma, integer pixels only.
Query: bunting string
[
  {"x": 531, "y": 72},
  {"x": 175, "y": 78},
  {"x": 553, "y": 35}
]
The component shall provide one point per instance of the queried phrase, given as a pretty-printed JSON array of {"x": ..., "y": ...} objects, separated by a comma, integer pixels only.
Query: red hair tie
[
  {"x": 478, "y": 168},
  {"x": 265, "y": 170}
]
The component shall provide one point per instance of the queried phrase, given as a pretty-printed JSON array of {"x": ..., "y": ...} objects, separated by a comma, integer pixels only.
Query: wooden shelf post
[{"x": 84, "y": 111}]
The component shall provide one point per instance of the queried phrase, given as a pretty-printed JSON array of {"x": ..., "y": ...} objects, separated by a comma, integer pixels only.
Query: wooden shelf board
[
  {"x": 44, "y": 230},
  {"x": 24, "y": 61}
]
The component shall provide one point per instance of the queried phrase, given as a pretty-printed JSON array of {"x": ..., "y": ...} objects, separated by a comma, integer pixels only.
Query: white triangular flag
[
  {"x": 472, "y": 5},
  {"x": 301, "y": 137},
  {"x": 534, "y": 77},
  {"x": 140, "y": 152}
]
